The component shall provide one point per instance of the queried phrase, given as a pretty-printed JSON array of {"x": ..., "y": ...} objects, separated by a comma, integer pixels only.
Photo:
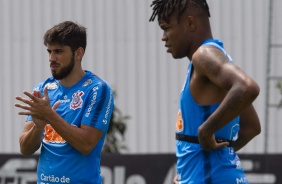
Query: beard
[{"x": 64, "y": 72}]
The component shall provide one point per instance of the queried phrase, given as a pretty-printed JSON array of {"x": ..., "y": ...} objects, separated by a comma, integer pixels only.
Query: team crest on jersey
[
  {"x": 179, "y": 122},
  {"x": 52, "y": 86},
  {"x": 77, "y": 100}
]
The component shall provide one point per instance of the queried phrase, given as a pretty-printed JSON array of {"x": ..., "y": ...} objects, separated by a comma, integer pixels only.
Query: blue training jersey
[
  {"x": 193, "y": 164},
  {"x": 88, "y": 102}
]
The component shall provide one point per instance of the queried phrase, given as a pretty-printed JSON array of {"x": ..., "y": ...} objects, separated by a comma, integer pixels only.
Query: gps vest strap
[{"x": 194, "y": 139}]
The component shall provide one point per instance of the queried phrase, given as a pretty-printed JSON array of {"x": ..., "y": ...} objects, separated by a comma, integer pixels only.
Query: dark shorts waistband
[{"x": 194, "y": 139}]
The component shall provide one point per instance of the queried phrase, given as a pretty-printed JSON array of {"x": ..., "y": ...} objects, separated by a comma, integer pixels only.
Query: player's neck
[{"x": 74, "y": 77}]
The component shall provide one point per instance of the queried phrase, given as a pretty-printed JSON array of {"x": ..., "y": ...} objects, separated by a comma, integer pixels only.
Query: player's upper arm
[{"x": 212, "y": 63}]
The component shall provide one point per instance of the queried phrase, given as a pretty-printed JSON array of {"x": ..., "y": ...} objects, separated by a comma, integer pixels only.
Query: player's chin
[{"x": 177, "y": 56}]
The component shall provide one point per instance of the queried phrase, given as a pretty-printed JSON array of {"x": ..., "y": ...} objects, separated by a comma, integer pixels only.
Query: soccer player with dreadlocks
[{"x": 216, "y": 117}]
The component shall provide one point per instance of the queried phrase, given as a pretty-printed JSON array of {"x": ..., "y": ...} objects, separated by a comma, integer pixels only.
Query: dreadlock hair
[{"x": 165, "y": 8}]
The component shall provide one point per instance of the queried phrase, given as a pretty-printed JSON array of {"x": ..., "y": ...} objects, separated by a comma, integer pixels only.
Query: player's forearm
[
  {"x": 240, "y": 143},
  {"x": 243, "y": 139},
  {"x": 77, "y": 137},
  {"x": 236, "y": 101},
  {"x": 249, "y": 127},
  {"x": 30, "y": 140}
]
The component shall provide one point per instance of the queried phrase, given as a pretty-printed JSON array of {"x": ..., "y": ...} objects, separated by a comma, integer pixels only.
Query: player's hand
[
  {"x": 36, "y": 106},
  {"x": 39, "y": 123},
  {"x": 175, "y": 179},
  {"x": 208, "y": 142}
]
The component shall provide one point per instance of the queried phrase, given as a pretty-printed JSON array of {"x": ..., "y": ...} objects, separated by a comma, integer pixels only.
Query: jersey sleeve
[{"x": 100, "y": 104}]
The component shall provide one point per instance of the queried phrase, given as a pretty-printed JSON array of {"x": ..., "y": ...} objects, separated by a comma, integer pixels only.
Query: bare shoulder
[
  {"x": 209, "y": 60},
  {"x": 205, "y": 84},
  {"x": 212, "y": 65}
]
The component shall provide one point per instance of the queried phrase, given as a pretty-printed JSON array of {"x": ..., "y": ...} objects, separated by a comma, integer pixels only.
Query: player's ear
[
  {"x": 78, "y": 54},
  {"x": 190, "y": 23}
]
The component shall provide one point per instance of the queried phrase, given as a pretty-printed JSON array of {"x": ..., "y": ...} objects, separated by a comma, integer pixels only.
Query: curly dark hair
[
  {"x": 163, "y": 9},
  {"x": 67, "y": 33}
]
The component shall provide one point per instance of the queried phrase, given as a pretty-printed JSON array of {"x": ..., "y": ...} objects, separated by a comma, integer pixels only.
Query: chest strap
[{"x": 194, "y": 139}]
